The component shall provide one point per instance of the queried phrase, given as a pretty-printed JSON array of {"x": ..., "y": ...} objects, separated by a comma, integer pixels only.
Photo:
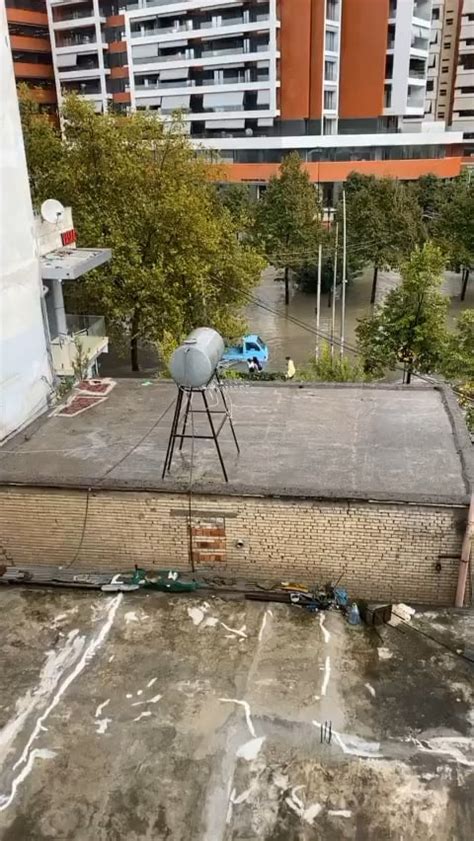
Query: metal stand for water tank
[{"x": 215, "y": 430}]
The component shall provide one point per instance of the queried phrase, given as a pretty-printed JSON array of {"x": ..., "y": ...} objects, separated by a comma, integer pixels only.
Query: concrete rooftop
[
  {"x": 157, "y": 718},
  {"x": 384, "y": 442}
]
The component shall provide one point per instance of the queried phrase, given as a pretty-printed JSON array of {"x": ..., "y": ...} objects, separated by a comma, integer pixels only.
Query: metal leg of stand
[
  {"x": 174, "y": 426},
  {"x": 178, "y": 414},
  {"x": 221, "y": 389},
  {"x": 216, "y": 442},
  {"x": 186, "y": 413}
]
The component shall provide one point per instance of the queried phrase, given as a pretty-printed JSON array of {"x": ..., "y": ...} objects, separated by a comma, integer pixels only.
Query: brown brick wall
[{"x": 387, "y": 551}]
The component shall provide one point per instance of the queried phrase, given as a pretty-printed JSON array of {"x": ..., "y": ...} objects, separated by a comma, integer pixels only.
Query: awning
[
  {"x": 174, "y": 75},
  {"x": 71, "y": 263},
  {"x": 145, "y": 51},
  {"x": 67, "y": 60},
  {"x": 171, "y": 103},
  {"x": 232, "y": 99},
  {"x": 225, "y": 125}
]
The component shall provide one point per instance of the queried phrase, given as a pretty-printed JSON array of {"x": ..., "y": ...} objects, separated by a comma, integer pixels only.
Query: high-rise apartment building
[
  {"x": 31, "y": 49},
  {"x": 442, "y": 59},
  {"x": 463, "y": 98},
  {"x": 344, "y": 82}
]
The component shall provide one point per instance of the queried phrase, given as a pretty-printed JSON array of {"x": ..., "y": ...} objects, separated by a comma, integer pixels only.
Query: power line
[{"x": 310, "y": 329}]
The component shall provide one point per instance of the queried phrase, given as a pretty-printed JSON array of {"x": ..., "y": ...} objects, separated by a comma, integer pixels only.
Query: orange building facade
[
  {"x": 31, "y": 49},
  {"x": 341, "y": 82}
]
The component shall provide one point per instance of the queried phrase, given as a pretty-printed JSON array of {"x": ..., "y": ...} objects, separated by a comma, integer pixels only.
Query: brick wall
[{"x": 387, "y": 551}]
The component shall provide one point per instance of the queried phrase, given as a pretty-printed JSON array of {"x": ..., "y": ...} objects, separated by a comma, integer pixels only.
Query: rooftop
[
  {"x": 341, "y": 441},
  {"x": 140, "y": 717}
]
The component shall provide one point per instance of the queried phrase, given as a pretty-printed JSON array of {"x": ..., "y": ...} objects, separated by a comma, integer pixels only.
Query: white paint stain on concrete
[
  {"x": 102, "y": 725},
  {"x": 327, "y": 675},
  {"x": 238, "y": 632},
  {"x": 101, "y": 707},
  {"x": 151, "y": 682},
  {"x": 210, "y": 622},
  {"x": 129, "y": 695},
  {"x": 111, "y": 658},
  {"x": 264, "y": 622},
  {"x": 384, "y": 653},
  {"x": 311, "y": 813},
  {"x": 370, "y": 689},
  {"x": 326, "y": 634},
  {"x": 196, "y": 614},
  {"x": 145, "y": 714},
  {"x": 72, "y": 658},
  {"x": 340, "y": 813},
  {"x": 355, "y": 746},
  {"x": 147, "y": 701},
  {"x": 251, "y": 749},
  {"x": 307, "y": 814},
  {"x": 131, "y": 616},
  {"x": 140, "y": 692},
  {"x": 37, "y": 753},
  {"x": 246, "y": 707}
]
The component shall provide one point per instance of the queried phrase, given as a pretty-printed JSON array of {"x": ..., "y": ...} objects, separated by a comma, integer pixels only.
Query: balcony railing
[{"x": 85, "y": 325}]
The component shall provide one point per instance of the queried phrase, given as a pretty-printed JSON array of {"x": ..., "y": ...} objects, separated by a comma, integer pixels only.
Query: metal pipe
[
  {"x": 344, "y": 271},
  {"x": 334, "y": 285},
  {"x": 318, "y": 298},
  {"x": 465, "y": 555}
]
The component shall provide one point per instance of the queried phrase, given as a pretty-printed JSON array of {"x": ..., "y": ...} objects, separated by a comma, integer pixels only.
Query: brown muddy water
[{"x": 283, "y": 336}]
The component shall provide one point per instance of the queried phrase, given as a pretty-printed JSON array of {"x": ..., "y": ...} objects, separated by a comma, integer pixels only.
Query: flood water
[
  {"x": 285, "y": 338},
  {"x": 282, "y": 335}
]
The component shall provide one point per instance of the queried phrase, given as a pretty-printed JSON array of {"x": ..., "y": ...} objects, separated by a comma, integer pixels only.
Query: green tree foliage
[
  {"x": 288, "y": 219},
  {"x": 458, "y": 357},
  {"x": 409, "y": 327},
  {"x": 238, "y": 200},
  {"x": 140, "y": 189},
  {"x": 453, "y": 226},
  {"x": 384, "y": 223},
  {"x": 42, "y": 144},
  {"x": 334, "y": 368}
]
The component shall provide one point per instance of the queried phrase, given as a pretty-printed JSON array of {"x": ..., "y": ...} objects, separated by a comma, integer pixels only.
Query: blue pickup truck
[{"x": 248, "y": 347}]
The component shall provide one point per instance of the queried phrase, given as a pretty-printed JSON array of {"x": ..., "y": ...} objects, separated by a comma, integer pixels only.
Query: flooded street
[{"x": 285, "y": 338}]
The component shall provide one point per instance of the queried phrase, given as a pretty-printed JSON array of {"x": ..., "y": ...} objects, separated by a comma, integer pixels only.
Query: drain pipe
[{"x": 465, "y": 555}]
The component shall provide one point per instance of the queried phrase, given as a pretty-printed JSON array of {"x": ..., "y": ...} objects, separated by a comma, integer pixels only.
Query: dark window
[
  {"x": 449, "y": 21},
  {"x": 429, "y": 85},
  {"x": 445, "y": 70},
  {"x": 469, "y": 112},
  {"x": 435, "y": 14},
  {"x": 469, "y": 89}
]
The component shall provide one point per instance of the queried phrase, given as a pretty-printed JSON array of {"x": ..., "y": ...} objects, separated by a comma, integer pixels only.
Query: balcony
[{"x": 90, "y": 331}]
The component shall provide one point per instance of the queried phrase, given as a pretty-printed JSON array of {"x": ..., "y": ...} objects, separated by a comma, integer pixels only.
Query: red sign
[{"x": 68, "y": 237}]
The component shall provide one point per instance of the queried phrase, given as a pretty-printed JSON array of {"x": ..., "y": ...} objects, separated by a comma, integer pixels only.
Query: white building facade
[{"x": 25, "y": 367}]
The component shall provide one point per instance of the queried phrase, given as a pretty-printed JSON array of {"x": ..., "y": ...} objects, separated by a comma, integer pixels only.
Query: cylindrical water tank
[{"x": 194, "y": 362}]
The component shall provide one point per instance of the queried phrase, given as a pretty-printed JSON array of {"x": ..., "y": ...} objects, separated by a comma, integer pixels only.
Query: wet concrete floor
[{"x": 149, "y": 717}]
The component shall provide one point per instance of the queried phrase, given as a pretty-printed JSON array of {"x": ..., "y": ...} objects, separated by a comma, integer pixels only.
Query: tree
[
  {"x": 409, "y": 327},
  {"x": 288, "y": 219},
  {"x": 458, "y": 358},
  {"x": 384, "y": 222},
  {"x": 454, "y": 225},
  {"x": 42, "y": 144},
  {"x": 139, "y": 188},
  {"x": 238, "y": 200}
]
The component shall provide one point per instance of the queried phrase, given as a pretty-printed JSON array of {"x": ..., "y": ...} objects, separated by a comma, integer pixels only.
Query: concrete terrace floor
[
  {"x": 157, "y": 718},
  {"x": 347, "y": 441}
]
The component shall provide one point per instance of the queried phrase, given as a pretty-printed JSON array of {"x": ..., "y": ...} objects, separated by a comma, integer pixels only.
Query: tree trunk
[
  {"x": 374, "y": 285},
  {"x": 464, "y": 283},
  {"x": 409, "y": 373},
  {"x": 134, "y": 342},
  {"x": 287, "y": 287}
]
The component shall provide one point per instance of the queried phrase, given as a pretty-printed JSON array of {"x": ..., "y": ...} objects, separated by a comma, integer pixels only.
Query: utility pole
[
  {"x": 344, "y": 269},
  {"x": 318, "y": 298},
  {"x": 334, "y": 284}
]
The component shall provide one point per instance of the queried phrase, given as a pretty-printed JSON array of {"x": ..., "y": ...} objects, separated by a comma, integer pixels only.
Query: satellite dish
[{"x": 52, "y": 211}]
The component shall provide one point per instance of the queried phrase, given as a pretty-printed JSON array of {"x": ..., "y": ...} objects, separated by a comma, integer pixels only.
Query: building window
[
  {"x": 435, "y": 14},
  {"x": 329, "y": 100},
  {"x": 429, "y": 85},
  {"x": 445, "y": 70},
  {"x": 447, "y": 45},
  {"x": 331, "y": 41},
  {"x": 330, "y": 71},
  {"x": 449, "y": 21},
  {"x": 329, "y": 125}
]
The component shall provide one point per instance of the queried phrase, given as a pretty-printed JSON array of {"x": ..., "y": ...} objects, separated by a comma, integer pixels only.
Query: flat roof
[
  {"x": 71, "y": 263},
  {"x": 317, "y": 441}
]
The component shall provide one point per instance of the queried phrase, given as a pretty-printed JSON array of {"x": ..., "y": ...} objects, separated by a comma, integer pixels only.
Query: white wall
[{"x": 25, "y": 373}]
